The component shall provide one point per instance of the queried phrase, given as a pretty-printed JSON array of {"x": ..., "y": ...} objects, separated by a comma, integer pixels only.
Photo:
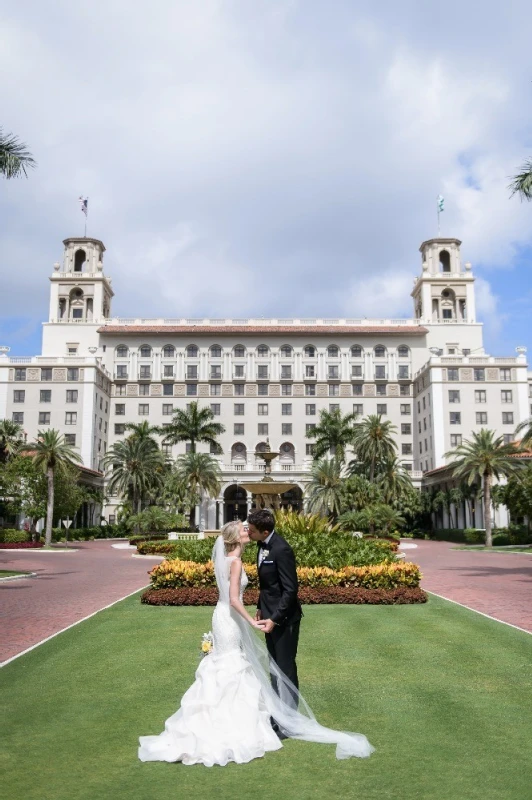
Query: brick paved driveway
[
  {"x": 68, "y": 587},
  {"x": 498, "y": 584}
]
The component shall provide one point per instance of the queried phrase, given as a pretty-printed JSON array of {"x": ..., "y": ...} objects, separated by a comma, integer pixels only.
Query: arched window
[
  {"x": 262, "y": 447},
  {"x": 310, "y": 351},
  {"x": 216, "y": 351},
  {"x": 263, "y": 350},
  {"x": 168, "y": 351},
  {"x": 333, "y": 351},
  {"x": 122, "y": 351},
  {"x": 356, "y": 351},
  {"x": 288, "y": 452},
  {"x": 445, "y": 261},
  {"x": 192, "y": 351},
  {"x": 79, "y": 260},
  {"x": 238, "y": 452},
  {"x": 239, "y": 351},
  {"x": 145, "y": 351},
  {"x": 403, "y": 351},
  {"x": 380, "y": 351},
  {"x": 286, "y": 351}
]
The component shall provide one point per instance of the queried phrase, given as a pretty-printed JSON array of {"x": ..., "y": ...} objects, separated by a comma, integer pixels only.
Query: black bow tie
[{"x": 262, "y": 545}]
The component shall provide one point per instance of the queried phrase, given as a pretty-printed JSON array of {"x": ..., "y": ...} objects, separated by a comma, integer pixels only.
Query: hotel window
[
  {"x": 216, "y": 390},
  {"x": 310, "y": 352},
  {"x": 263, "y": 350},
  {"x": 286, "y": 351},
  {"x": 356, "y": 370},
  {"x": 406, "y": 428},
  {"x": 310, "y": 390},
  {"x": 121, "y": 371},
  {"x": 406, "y": 408},
  {"x": 120, "y": 409},
  {"x": 508, "y": 438},
  {"x": 357, "y": 390},
  {"x": 481, "y": 417},
  {"x": 192, "y": 372},
  {"x": 334, "y": 390},
  {"x": 406, "y": 449},
  {"x": 168, "y": 409},
  {"x": 192, "y": 389},
  {"x": 456, "y": 439},
  {"x": 310, "y": 427},
  {"x": 455, "y": 418},
  {"x": 453, "y": 374},
  {"x": 356, "y": 351},
  {"x": 333, "y": 351},
  {"x": 424, "y": 403},
  {"x": 286, "y": 409},
  {"x": 421, "y": 447},
  {"x": 380, "y": 372},
  {"x": 70, "y": 439},
  {"x": 262, "y": 372},
  {"x": 403, "y": 351},
  {"x": 18, "y": 417},
  {"x": 333, "y": 373},
  {"x": 168, "y": 370},
  {"x": 46, "y": 396},
  {"x": 480, "y": 395},
  {"x": 404, "y": 391},
  {"x": 144, "y": 409},
  {"x": 144, "y": 389},
  {"x": 310, "y": 449},
  {"x": 238, "y": 429},
  {"x": 145, "y": 351},
  {"x": 382, "y": 408},
  {"x": 168, "y": 351},
  {"x": 20, "y": 374},
  {"x": 480, "y": 374},
  {"x": 505, "y": 374},
  {"x": 419, "y": 426},
  {"x": 358, "y": 409},
  {"x": 310, "y": 409},
  {"x": 46, "y": 374},
  {"x": 192, "y": 351},
  {"x": 168, "y": 389},
  {"x": 120, "y": 428},
  {"x": 216, "y": 409},
  {"x": 239, "y": 389},
  {"x": 380, "y": 351},
  {"x": 286, "y": 429},
  {"x": 214, "y": 448},
  {"x": 310, "y": 371},
  {"x": 239, "y": 409},
  {"x": 44, "y": 417},
  {"x": 239, "y": 351},
  {"x": 403, "y": 373},
  {"x": 286, "y": 389},
  {"x": 19, "y": 395},
  {"x": 286, "y": 372},
  {"x": 239, "y": 371},
  {"x": 380, "y": 389},
  {"x": 145, "y": 371},
  {"x": 121, "y": 351},
  {"x": 216, "y": 351},
  {"x": 188, "y": 447},
  {"x": 71, "y": 418},
  {"x": 507, "y": 417},
  {"x": 506, "y": 396},
  {"x": 166, "y": 449},
  {"x": 454, "y": 395},
  {"x": 262, "y": 428},
  {"x": 424, "y": 423},
  {"x": 262, "y": 409},
  {"x": 262, "y": 389}
]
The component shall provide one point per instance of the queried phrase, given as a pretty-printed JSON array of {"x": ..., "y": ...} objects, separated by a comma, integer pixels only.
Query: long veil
[{"x": 288, "y": 707}]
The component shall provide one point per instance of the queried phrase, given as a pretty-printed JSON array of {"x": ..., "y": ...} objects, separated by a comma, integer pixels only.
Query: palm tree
[
  {"x": 15, "y": 158},
  {"x": 522, "y": 183},
  {"x": 485, "y": 457},
  {"x": 142, "y": 430},
  {"x": 373, "y": 443},
  {"x": 194, "y": 424},
  {"x": 11, "y": 434},
  {"x": 136, "y": 468},
  {"x": 393, "y": 480},
  {"x": 51, "y": 454},
  {"x": 324, "y": 491},
  {"x": 332, "y": 433},
  {"x": 200, "y": 473},
  {"x": 526, "y": 426}
]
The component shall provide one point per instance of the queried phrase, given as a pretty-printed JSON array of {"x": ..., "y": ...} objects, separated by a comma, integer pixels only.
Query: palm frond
[
  {"x": 522, "y": 183},
  {"x": 15, "y": 158}
]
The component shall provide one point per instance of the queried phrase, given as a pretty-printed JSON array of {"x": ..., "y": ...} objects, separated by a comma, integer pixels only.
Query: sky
[{"x": 267, "y": 158}]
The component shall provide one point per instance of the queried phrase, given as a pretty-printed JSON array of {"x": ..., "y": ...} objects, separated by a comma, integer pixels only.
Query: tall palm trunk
[
  {"x": 49, "y": 507},
  {"x": 192, "y": 517},
  {"x": 487, "y": 508}
]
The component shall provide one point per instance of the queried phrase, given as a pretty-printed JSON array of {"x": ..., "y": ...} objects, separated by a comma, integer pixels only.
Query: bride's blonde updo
[{"x": 231, "y": 535}]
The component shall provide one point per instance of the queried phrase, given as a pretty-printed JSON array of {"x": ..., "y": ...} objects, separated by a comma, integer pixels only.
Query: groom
[{"x": 278, "y": 608}]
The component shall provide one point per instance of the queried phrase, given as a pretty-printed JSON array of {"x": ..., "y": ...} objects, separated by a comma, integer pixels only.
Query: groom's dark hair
[{"x": 262, "y": 520}]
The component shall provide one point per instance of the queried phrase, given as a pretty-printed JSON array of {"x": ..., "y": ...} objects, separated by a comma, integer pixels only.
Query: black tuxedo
[{"x": 278, "y": 601}]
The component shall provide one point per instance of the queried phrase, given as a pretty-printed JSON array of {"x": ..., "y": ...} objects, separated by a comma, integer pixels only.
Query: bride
[{"x": 227, "y": 713}]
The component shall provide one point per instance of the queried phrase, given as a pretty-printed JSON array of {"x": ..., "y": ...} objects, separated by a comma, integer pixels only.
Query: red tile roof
[{"x": 355, "y": 330}]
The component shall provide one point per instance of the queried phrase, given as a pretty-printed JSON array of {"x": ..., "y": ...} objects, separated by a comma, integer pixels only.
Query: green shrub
[
  {"x": 475, "y": 536},
  {"x": 11, "y": 535},
  {"x": 501, "y": 540},
  {"x": 448, "y": 535}
]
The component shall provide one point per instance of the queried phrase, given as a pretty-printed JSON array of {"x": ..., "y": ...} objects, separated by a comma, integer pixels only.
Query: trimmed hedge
[
  {"x": 13, "y": 535},
  {"x": 208, "y": 596},
  {"x": 173, "y": 574},
  {"x": 84, "y": 534},
  {"x": 19, "y": 545}
]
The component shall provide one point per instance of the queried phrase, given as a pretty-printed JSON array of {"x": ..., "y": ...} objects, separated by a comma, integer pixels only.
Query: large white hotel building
[{"x": 264, "y": 379}]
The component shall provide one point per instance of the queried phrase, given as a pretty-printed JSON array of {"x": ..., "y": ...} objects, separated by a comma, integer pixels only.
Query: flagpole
[{"x": 86, "y": 215}]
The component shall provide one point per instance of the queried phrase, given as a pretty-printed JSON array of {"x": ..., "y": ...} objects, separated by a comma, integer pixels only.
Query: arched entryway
[
  {"x": 293, "y": 499},
  {"x": 235, "y": 503}
]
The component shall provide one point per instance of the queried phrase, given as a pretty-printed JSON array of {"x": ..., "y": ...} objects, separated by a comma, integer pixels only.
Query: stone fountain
[{"x": 267, "y": 492}]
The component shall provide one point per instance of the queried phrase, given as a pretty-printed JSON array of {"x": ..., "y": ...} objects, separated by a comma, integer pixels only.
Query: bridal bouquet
[{"x": 207, "y": 644}]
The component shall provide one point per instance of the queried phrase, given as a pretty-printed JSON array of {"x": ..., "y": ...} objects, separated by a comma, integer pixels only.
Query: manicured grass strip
[
  {"x": 526, "y": 549},
  {"x": 8, "y": 573},
  {"x": 442, "y": 693}
]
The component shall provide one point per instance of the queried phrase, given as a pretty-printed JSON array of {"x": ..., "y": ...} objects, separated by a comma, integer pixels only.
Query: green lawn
[
  {"x": 442, "y": 693},
  {"x": 9, "y": 573},
  {"x": 525, "y": 548}
]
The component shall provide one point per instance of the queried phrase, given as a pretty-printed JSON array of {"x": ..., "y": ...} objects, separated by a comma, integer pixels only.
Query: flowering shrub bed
[
  {"x": 208, "y": 596},
  {"x": 19, "y": 545},
  {"x": 173, "y": 574}
]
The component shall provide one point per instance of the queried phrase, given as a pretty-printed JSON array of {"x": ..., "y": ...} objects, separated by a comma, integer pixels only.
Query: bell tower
[
  {"x": 444, "y": 292},
  {"x": 80, "y": 292}
]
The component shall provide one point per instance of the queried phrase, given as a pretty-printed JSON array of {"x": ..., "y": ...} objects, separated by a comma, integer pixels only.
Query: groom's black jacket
[{"x": 278, "y": 583}]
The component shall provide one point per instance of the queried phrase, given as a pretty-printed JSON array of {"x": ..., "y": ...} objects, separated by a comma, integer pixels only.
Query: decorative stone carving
[
  {"x": 179, "y": 390},
  {"x": 156, "y": 390},
  {"x": 82, "y": 374},
  {"x": 345, "y": 390},
  {"x": 132, "y": 390},
  {"x": 251, "y": 389},
  {"x": 227, "y": 389},
  {"x": 203, "y": 390},
  {"x": 33, "y": 374},
  {"x": 393, "y": 390},
  {"x": 466, "y": 374},
  {"x": 299, "y": 390},
  {"x": 322, "y": 390},
  {"x": 275, "y": 390},
  {"x": 369, "y": 390},
  {"x": 492, "y": 374},
  {"x": 59, "y": 374}
]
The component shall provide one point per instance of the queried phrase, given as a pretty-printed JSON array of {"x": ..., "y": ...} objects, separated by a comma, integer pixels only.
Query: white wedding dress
[{"x": 226, "y": 714}]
